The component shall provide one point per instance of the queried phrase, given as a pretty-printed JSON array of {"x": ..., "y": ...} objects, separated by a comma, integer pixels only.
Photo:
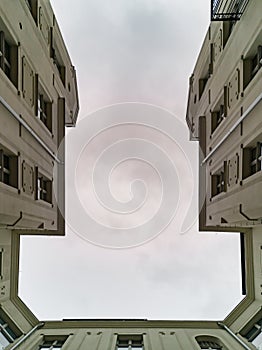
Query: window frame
[
  {"x": 33, "y": 8},
  {"x": 8, "y": 330},
  {"x": 43, "y": 105},
  {"x": 129, "y": 341},
  {"x": 8, "y": 57},
  {"x": 219, "y": 112},
  {"x": 252, "y": 160},
  {"x": 44, "y": 187},
  {"x": 219, "y": 181},
  {"x": 8, "y": 168},
  {"x": 207, "y": 342},
  {"x": 57, "y": 60},
  {"x": 52, "y": 342},
  {"x": 251, "y": 65},
  {"x": 256, "y": 323}
]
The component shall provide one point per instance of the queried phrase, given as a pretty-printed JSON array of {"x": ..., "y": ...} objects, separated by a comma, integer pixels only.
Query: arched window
[{"x": 210, "y": 343}]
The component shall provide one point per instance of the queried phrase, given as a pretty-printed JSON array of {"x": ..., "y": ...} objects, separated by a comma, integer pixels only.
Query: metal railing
[{"x": 227, "y": 10}]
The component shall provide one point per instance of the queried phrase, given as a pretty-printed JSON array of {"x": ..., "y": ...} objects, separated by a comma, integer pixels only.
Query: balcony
[{"x": 227, "y": 10}]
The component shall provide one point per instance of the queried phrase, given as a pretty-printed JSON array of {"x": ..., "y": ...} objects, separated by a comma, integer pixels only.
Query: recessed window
[
  {"x": 44, "y": 188},
  {"x": 61, "y": 69},
  {"x": 218, "y": 182},
  {"x": 57, "y": 59},
  {"x": 220, "y": 111},
  {"x": 44, "y": 111},
  {"x": 129, "y": 342},
  {"x": 204, "y": 75},
  {"x": 210, "y": 343},
  {"x": 1, "y": 262},
  {"x": 8, "y": 168},
  {"x": 8, "y": 58},
  {"x": 51, "y": 344},
  {"x": 7, "y": 334},
  {"x": 43, "y": 105},
  {"x": 256, "y": 61},
  {"x": 217, "y": 117},
  {"x": 252, "y": 64},
  {"x": 227, "y": 30},
  {"x": 32, "y": 5},
  {"x": 201, "y": 86},
  {"x": 254, "y": 332},
  {"x": 252, "y": 157}
]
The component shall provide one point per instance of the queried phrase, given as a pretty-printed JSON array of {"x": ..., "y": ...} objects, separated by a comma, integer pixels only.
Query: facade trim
[
  {"x": 29, "y": 129},
  {"x": 27, "y": 335},
  {"x": 233, "y": 128},
  {"x": 234, "y": 336}
]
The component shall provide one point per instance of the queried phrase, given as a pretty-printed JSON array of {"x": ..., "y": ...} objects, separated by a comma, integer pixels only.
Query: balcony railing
[{"x": 227, "y": 10}]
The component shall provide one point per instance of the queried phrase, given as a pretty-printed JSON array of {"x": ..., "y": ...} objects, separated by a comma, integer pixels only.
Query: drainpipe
[
  {"x": 245, "y": 114},
  {"x": 26, "y": 336},
  {"x": 29, "y": 129},
  {"x": 240, "y": 341}
]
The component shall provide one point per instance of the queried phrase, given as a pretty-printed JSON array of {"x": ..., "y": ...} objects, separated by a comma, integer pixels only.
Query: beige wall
[
  {"x": 225, "y": 66},
  {"x": 155, "y": 338},
  {"x": 36, "y": 39}
]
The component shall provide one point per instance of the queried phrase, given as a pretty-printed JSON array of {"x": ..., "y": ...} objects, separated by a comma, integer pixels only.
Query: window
[
  {"x": 32, "y": 5},
  {"x": 254, "y": 332},
  {"x": 8, "y": 168},
  {"x": 43, "y": 106},
  {"x": 252, "y": 157},
  {"x": 129, "y": 342},
  {"x": 210, "y": 343},
  {"x": 204, "y": 75},
  {"x": 218, "y": 182},
  {"x": 8, "y": 58},
  {"x": 7, "y": 335},
  {"x": 219, "y": 112},
  {"x": 256, "y": 61},
  {"x": 227, "y": 30},
  {"x": 1, "y": 262},
  {"x": 57, "y": 60},
  {"x": 252, "y": 64},
  {"x": 61, "y": 69},
  {"x": 44, "y": 112},
  {"x": 51, "y": 344},
  {"x": 217, "y": 118},
  {"x": 44, "y": 188},
  {"x": 201, "y": 86}
]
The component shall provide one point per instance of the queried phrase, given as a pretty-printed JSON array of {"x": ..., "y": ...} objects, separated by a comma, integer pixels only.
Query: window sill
[
  {"x": 44, "y": 203},
  {"x": 4, "y": 78},
  {"x": 8, "y": 188},
  {"x": 255, "y": 80},
  {"x": 217, "y": 196},
  {"x": 45, "y": 128},
  {"x": 252, "y": 178}
]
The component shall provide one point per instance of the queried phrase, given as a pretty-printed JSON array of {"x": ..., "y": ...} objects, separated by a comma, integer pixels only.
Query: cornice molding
[{"x": 130, "y": 324}]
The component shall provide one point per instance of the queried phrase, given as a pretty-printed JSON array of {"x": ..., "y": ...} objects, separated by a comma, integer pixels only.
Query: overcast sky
[{"x": 132, "y": 248}]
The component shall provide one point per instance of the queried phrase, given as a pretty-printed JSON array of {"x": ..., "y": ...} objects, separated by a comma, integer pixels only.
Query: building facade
[{"x": 38, "y": 98}]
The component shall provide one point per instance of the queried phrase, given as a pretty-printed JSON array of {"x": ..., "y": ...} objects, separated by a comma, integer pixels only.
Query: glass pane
[
  {"x": 10, "y": 332},
  {"x": 258, "y": 342},
  {"x": 3, "y": 342}
]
